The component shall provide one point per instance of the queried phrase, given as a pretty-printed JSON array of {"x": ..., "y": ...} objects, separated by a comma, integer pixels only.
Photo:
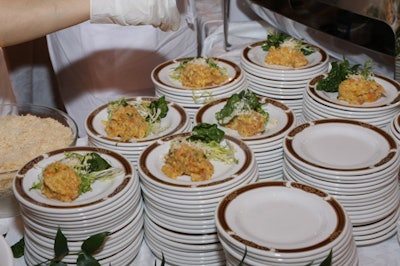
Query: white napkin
[{"x": 163, "y": 14}]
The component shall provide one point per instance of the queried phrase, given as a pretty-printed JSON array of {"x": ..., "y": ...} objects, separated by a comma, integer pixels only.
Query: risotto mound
[
  {"x": 285, "y": 56},
  {"x": 60, "y": 182},
  {"x": 126, "y": 123},
  {"x": 248, "y": 124},
  {"x": 358, "y": 90},
  {"x": 198, "y": 73},
  {"x": 183, "y": 159}
]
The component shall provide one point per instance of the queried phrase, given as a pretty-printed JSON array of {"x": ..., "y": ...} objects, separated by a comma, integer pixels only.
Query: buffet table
[{"x": 385, "y": 253}]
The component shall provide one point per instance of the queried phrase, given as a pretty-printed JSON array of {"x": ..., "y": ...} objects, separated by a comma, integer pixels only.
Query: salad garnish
[{"x": 240, "y": 103}]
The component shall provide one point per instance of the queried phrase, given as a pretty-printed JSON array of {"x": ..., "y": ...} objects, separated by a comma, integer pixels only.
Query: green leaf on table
[
  {"x": 86, "y": 260},
  {"x": 18, "y": 248},
  {"x": 94, "y": 242},
  {"x": 60, "y": 246}
]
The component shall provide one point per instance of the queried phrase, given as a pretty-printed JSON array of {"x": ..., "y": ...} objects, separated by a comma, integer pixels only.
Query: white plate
[
  {"x": 255, "y": 55},
  {"x": 102, "y": 192},
  {"x": 281, "y": 120},
  {"x": 390, "y": 100},
  {"x": 340, "y": 145},
  {"x": 175, "y": 120},
  {"x": 161, "y": 75},
  {"x": 280, "y": 216}
]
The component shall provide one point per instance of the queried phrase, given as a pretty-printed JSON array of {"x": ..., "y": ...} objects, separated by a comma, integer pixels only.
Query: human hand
[{"x": 163, "y": 14}]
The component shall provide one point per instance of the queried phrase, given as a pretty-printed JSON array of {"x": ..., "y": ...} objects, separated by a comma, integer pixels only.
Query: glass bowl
[{"x": 32, "y": 145}]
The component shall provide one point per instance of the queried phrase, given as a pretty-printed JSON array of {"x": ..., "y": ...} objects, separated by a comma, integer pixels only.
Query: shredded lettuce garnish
[
  {"x": 281, "y": 39},
  {"x": 152, "y": 111},
  {"x": 240, "y": 103},
  {"x": 89, "y": 167},
  {"x": 341, "y": 71},
  {"x": 209, "y": 138}
]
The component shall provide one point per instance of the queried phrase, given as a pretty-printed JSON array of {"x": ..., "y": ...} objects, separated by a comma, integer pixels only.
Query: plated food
[
  {"x": 111, "y": 170},
  {"x": 131, "y": 120},
  {"x": 195, "y": 73},
  {"x": 200, "y": 72},
  {"x": 192, "y": 155},
  {"x": 287, "y": 51},
  {"x": 254, "y": 57},
  {"x": 69, "y": 177},
  {"x": 243, "y": 112},
  {"x": 352, "y": 84},
  {"x": 145, "y": 119}
]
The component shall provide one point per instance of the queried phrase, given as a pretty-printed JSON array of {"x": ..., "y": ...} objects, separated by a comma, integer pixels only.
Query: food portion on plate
[
  {"x": 199, "y": 72},
  {"x": 132, "y": 120},
  {"x": 243, "y": 112},
  {"x": 353, "y": 84},
  {"x": 285, "y": 50},
  {"x": 192, "y": 155},
  {"x": 68, "y": 178}
]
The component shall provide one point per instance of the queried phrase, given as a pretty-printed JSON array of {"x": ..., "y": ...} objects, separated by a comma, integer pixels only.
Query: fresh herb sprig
[{"x": 84, "y": 257}]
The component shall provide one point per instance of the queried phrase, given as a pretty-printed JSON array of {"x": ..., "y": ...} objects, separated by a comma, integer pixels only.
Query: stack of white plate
[
  {"x": 180, "y": 213},
  {"x": 268, "y": 146},
  {"x": 176, "y": 121},
  {"x": 394, "y": 128},
  {"x": 284, "y": 223},
  {"x": 113, "y": 206},
  {"x": 355, "y": 162},
  {"x": 281, "y": 83},
  {"x": 320, "y": 104},
  {"x": 193, "y": 99}
]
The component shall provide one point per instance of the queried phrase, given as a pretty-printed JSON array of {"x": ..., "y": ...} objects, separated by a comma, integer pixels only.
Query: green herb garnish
[
  {"x": 278, "y": 39},
  {"x": 206, "y": 133},
  {"x": 240, "y": 103}
]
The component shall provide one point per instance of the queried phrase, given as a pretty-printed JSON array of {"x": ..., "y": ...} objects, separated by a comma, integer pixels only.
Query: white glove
[{"x": 163, "y": 14}]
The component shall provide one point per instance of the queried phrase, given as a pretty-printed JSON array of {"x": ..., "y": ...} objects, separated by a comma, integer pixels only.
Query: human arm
[{"x": 24, "y": 20}]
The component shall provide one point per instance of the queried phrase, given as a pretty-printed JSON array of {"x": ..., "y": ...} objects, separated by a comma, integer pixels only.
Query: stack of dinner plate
[
  {"x": 267, "y": 147},
  {"x": 179, "y": 213},
  {"x": 176, "y": 121},
  {"x": 355, "y": 162},
  {"x": 281, "y": 83},
  {"x": 113, "y": 206},
  {"x": 394, "y": 128},
  {"x": 320, "y": 104},
  {"x": 192, "y": 99},
  {"x": 284, "y": 223}
]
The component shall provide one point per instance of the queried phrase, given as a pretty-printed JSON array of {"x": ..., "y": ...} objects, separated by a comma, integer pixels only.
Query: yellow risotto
[
  {"x": 285, "y": 56},
  {"x": 197, "y": 73},
  {"x": 126, "y": 123},
  {"x": 248, "y": 124},
  {"x": 358, "y": 90},
  {"x": 184, "y": 159}
]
